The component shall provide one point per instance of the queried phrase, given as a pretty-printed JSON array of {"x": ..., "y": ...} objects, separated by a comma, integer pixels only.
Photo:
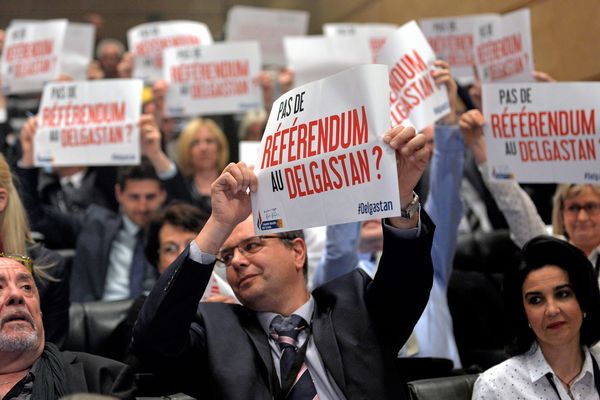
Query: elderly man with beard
[{"x": 30, "y": 368}]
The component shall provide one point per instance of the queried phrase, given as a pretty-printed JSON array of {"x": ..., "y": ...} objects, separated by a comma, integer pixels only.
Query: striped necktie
[{"x": 285, "y": 331}]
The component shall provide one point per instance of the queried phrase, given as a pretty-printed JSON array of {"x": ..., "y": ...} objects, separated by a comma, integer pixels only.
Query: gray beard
[{"x": 18, "y": 341}]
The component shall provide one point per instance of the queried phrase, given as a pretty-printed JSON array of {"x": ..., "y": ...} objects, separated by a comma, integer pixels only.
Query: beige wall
[{"x": 566, "y": 33}]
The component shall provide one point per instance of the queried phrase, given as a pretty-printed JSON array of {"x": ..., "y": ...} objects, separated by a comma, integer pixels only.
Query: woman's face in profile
[{"x": 551, "y": 307}]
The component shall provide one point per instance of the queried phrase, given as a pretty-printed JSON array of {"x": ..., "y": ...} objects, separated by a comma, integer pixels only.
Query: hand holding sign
[
  {"x": 412, "y": 157},
  {"x": 442, "y": 76},
  {"x": 26, "y": 138},
  {"x": 471, "y": 125}
]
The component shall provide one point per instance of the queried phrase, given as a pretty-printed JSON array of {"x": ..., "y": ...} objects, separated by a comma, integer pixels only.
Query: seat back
[
  {"x": 448, "y": 388},
  {"x": 93, "y": 323}
]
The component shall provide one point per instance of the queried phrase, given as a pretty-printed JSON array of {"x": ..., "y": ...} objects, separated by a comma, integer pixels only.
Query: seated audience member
[
  {"x": 203, "y": 152},
  {"x": 30, "y": 367},
  {"x": 553, "y": 310},
  {"x": 109, "y": 53},
  {"x": 226, "y": 351},
  {"x": 169, "y": 232},
  {"x": 344, "y": 250},
  {"x": 576, "y": 208},
  {"x": 52, "y": 279},
  {"x": 73, "y": 189},
  {"x": 109, "y": 261}
]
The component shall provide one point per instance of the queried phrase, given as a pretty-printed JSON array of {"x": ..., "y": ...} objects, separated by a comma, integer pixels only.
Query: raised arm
[{"x": 516, "y": 205}]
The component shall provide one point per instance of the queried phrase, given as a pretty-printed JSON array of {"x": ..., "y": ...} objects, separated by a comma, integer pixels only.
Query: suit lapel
[
  {"x": 326, "y": 342},
  {"x": 74, "y": 373},
  {"x": 261, "y": 344}
]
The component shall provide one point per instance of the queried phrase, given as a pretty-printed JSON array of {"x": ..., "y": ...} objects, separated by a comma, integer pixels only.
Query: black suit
[{"x": 359, "y": 325}]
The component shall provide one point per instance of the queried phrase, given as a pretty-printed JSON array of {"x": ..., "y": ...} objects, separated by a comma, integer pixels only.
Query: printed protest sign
[
  {"x": 503, "y": 48},
  {"x": 414, "y": 95},
  {"x": 543, "y": 132},
  {"x": 147, "y": 42},
  {"x": 322, "y": 159},
  {"x": 89, "y": 123},
  {"x": 317, "y": 57},
  {"x": 267, "y": 26},
  {"x": 31, "y": 55},
  {"x": 78, "y": 50},
  {"x": 249, "y": 151},
  {"x": 217, "y": 79},
  {"x": 452, "y": 40},
  {"x": 376, "y": 34}
]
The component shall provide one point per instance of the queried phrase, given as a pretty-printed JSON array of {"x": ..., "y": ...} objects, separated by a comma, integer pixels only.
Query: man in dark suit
[
  {"x": 109, "y": 261},
  {"x": 349, "y": 331},
  {"x": 32, "y": 368}
]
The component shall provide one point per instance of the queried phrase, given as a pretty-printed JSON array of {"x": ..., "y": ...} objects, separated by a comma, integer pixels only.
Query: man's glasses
[
  {"x": 246, "y": 247},
  {"x": 25, "y": 261},
  {"x": 590, "y": 208}
]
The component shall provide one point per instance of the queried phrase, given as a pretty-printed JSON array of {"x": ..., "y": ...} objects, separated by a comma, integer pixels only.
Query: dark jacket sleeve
[
  {"x": 61, "y": 229},
  {"x": 400, "y": 289},
  {"x": 162, "y": 334}
]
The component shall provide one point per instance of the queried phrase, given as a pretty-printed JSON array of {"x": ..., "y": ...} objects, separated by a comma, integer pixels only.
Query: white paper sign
[
  {"x": 217, "y": 287},
  {"x": 376, "y": 34},
  {"x": 503, "y": 48},
  {"x": 322, "y": 158},
  {"x": 317, "y": 57},
  {"x": 31, "y": 55},
  {"x": 413, "y": 92},
  {"x": 452, "y": 40},
  {"x": 78, "y": 50},
  {"x": 147, "y": 42},
  {"x": 543, "y": 132},
  {"x": 216, "y": 79},
  {"x": 267, "y": 26},
  {"x": 89, "y": 123},
  {"x": 249, "y": 151}
]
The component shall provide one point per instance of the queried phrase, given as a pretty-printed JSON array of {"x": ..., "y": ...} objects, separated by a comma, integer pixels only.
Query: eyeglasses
[
  {"x": 171, "y": 248},
  {"x": 25, "y": 261},
  {"x": 590, "y": 208},
  {"x": 246, "y": 247}
]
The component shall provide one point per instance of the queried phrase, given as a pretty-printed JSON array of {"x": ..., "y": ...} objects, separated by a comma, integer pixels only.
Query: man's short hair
[
  {"x": 291, "y": 235},
  {"x": 140, "y": 172},
  {"x": 109, "y": 42}
]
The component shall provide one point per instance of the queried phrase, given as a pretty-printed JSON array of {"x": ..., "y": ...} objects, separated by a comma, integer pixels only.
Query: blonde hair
[
  {"x": 14, "y": 229},
  {"x": 188, "y": 135},
  {"x": 563, "y": 192}
]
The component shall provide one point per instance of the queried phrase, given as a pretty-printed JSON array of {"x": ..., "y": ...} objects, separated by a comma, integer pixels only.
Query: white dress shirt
[{"x": 524, "y": 377}]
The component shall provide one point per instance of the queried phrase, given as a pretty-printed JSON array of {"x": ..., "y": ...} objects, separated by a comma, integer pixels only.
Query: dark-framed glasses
[
  {"x": 25, "y": 261},
  {"x": 591, "y": 208},
  {"x": 246, "y": 247}
]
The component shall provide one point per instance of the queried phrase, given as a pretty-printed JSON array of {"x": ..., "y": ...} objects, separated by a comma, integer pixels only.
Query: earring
[
  {"x": 529, "y": 325},
  {"x": 584, "y": 314}
]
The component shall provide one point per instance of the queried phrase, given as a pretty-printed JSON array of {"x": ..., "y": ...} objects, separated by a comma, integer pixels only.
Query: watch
[{"x": 412, "y": 208}]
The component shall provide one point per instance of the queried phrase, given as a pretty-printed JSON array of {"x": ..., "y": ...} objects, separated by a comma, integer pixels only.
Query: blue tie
[
  {"x": 285, "y": 331},
  {"x": 138, "y": 267}
]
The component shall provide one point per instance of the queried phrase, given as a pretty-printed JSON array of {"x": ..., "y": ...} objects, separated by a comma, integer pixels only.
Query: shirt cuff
[
  {"x": 411, "y": 233},
  {"x": 199, "y": 256},
  {"x": 169, "y": 173}
]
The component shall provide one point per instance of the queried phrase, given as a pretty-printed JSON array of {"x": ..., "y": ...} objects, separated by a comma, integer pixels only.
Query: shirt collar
[
  {"x": 538, "y": 367},
  {"x": 305, "y": 311},
  {"x": 76, "y": 179},
  {"x": 130, "y": 227}
]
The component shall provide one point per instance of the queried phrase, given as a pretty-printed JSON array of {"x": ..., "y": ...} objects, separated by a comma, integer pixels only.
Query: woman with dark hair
[{"x": 552, "y": 306}]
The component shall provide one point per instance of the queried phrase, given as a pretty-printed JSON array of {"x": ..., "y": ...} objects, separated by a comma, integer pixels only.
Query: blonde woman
[
  {"x": 52, "y": 276},
  {"x": 202, "y": 153}
]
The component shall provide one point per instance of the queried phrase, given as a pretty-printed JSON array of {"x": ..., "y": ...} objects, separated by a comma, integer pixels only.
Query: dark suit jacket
[
  {"x": 359, "y": 325},
  {"x": 91, "y": 234}
]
